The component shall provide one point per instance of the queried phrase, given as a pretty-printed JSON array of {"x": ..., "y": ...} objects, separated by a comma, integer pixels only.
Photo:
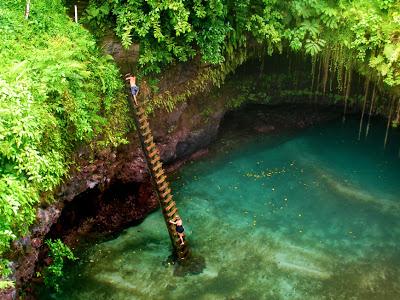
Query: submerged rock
[{"x": 358, "y": 194}]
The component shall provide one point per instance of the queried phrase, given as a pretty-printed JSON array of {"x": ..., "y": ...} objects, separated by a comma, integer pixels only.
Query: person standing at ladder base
[
  {"x": 177, "y": 221},
  {"x": 134, "y": 87}
]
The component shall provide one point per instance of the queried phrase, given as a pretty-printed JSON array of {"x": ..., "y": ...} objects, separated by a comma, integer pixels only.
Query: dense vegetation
[
  {"x": 351, "y": 31},
  {"x": 345, "y": 38},
  {"x": 56, "y": 92}
]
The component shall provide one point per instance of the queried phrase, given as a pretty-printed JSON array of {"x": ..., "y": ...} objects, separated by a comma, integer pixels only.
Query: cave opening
[{"x": 97, "y": 214}]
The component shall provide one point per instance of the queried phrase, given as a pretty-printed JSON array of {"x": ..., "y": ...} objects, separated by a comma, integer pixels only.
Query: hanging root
[
  {"x": 326, "y": 71},
  {"x": 348, "y": 74},
  {"x": 397, "y": 121},
  {"x": 370, "y": 111},
  {"x": 388, "y": 123},
  {"x": 332, "y": 68},
  {"x": 363, "y": 110},
  {"x": 318, "y": 80},
  {"x": 314, "y": 61}
]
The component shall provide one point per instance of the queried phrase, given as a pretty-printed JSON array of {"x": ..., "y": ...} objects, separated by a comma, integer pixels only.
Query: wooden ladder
[{"x": 158, "y": 177}]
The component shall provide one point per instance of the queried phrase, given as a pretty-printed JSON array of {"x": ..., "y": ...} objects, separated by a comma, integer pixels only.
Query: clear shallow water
[{"x": 314, "y": 215}]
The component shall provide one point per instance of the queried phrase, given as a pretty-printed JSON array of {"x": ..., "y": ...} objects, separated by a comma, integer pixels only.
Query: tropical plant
[
  {"x": 59, "y": 252},
  {"x": 57, "y": 91},
  {"x": 171, "y": 30}
]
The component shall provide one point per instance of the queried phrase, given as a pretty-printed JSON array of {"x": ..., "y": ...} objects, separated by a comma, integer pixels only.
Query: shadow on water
[{"x": 193, "y": 265}]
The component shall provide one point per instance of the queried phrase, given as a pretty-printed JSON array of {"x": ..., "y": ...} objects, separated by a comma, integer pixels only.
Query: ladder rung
[
  {"x": 152, "y": 154},
  {"x": 169, "y": 198},
  {"x": 161, "y": 180},
  {"x": 168, "y": 208},
  {"x": 157, "y": 166},
  {"x": 142, "y": 118},
  {"x": 151, "y": 146},
  {"x": 168, "y": 191},
  {"x": 144, "y": 125},
  {"x": 171, "y": 213},
  {"x": 148, "y": 140},
  {"x": 155, "y": 159},
  {"x": 185, "y": 247},
  {"x": 159, "y": 174},
  {"x": 163, "y": 187},
  {"x": 146, "y": 132},
  {"x": 181, "y": 248},
  {"x": 185, "y": 252}
]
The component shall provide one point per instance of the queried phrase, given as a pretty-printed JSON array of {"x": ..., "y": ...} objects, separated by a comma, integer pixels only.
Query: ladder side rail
[{"x": 153, "y": 179}]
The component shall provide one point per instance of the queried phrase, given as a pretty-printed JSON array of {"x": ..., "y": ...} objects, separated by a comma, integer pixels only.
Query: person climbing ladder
[
  {"x": 134, "y": 87},
  {"x": 177, "y": 221},
  {"x": 157, "y": 173}
]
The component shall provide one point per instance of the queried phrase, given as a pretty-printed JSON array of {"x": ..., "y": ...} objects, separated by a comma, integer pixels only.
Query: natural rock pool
[{"x": 310, "y": 215}]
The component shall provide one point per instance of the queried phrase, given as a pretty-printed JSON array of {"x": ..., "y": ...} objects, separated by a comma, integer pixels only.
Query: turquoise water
[{"x": 307, "y": 215}]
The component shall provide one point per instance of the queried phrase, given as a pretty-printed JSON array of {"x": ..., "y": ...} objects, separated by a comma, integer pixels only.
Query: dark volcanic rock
[
  {"x": 196, "y": 140},
  {"x": 8, "y": 294},
  {"x": 263, "y": 128}
]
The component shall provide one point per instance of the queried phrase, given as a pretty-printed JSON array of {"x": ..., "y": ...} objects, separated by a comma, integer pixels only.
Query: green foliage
[
  {"x": 199, "y": 84},
  {"x": 313, "y": 47},
  {"x": 172, "y": 30},
  {"x": 5, "y": 284},
  {"x": 59, "y": 252},
  {"x": 168, "y": 30},
  {"x": 203, "y": 82},
  {"x": 56, "y": 92},
  {"x": 4, "y": 268},
  {"x": 4, "y": 272}
]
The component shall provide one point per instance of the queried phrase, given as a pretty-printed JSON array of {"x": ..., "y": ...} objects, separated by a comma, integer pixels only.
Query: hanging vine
[
  {"x": 389, "y": 120},
  {"x": 370, "y": 111},
  {"x": 363, "y": 109}
]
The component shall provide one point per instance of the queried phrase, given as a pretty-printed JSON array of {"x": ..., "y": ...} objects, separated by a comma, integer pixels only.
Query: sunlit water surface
[{"x": 311, "y": 215}]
